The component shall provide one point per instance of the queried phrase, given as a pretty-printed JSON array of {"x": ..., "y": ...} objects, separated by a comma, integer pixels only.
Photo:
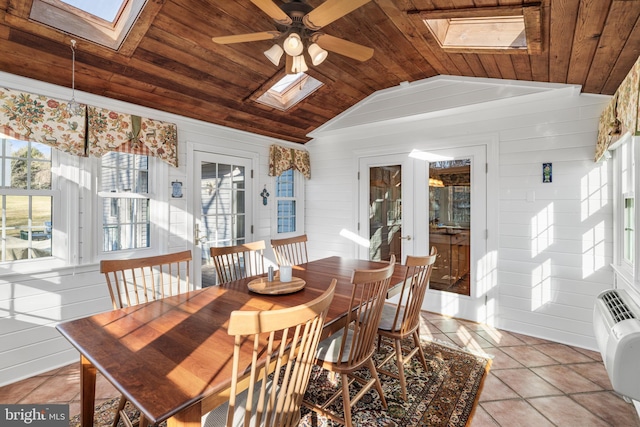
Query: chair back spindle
[
  {"x": 239, "y": 261},
  {"x": 139, "y": 280},
  {"x": 291, "y": 251}
]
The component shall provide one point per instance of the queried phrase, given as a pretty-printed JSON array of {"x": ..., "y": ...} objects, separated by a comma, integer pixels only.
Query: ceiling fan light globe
[
  {"x": 317, "y": 54},
  {"x": 299, "y": 65},
  {"x": 274, "y": 54},
  {"x": 293, "y": 45}
]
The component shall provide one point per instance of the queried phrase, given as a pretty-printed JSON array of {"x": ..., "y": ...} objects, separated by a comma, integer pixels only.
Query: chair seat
[
  {"x": 329, "y": 348},
  {"x": 387, "y": 317}
]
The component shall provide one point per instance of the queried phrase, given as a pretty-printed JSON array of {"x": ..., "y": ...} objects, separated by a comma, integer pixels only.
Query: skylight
[
  {"x": 504, "y": 29},
  {"x": 289, "y": 90},
  {"x": 500, "y": 32},
  {"x": 103, "y": 9},
  {"x": 105, "y": 22}
]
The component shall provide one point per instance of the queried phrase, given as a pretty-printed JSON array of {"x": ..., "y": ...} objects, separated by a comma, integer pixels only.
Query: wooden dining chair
[
  {"x": 139, "y": 280},
  {"x": 239, "y": 261},
  {"x": 352, "y": 347},
  {"x": 287, "y": 339},
  {"x": 290, "y": 251},
  {"x": 402, "y": 320}
]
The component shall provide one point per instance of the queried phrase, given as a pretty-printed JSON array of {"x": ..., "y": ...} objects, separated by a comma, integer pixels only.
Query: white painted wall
[
  {"x": 31, "y": 304},
  {"x": 528, "y": 124},
  {"x": 553, "y": 241}
]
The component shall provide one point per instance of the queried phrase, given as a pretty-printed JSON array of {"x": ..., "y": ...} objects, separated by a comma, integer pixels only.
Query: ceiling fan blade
[
  {"x": 272, "y": 9},
  {"x": 250, "y": 37},
  {"x": 343, "y": 47},
  {"x": 329, "y": 11}
]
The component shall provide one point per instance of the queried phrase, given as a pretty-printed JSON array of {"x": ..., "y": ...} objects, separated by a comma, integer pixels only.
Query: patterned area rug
[{"x": 445, "y": 395}]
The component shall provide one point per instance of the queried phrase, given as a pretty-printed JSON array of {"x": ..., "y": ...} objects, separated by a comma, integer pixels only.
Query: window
[
  {"x": 27, "y": 200},
  {"x": 289, "y": 213},
  {"x": 126, "y": 218},
  {"x": 629, "y": 230},
  {"x": 288, "y": 91},
  {"x": 503, "y": 29},
  {"x": 103, "y": 22},
  {"x": 625, "y": 218},
  {"x": 105, "y": 10}
]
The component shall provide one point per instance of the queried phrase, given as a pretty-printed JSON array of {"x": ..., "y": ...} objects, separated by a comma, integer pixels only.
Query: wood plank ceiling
[{"x": 169, "y": 62}]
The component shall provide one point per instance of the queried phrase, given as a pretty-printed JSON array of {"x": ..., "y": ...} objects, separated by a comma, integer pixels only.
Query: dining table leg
[
  {"x": 189, "y": 417},
  {"x": 87, "y": 391}
]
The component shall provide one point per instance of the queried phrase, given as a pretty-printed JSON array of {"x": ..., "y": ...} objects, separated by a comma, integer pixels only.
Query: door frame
[
  {"x": 483, "y": 305},
  {"x": 193, "y": 197}
]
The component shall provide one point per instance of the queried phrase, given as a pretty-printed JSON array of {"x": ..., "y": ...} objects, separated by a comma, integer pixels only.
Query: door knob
[{"x": 405, "y": 237}]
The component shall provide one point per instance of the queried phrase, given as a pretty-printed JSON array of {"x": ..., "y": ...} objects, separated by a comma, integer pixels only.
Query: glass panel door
[
  {"x": 385, "y": 207},
  {"x": 385, "y": 212},
  {"x": 450, "y": 224},
  {"x": 223, "y": 208}
]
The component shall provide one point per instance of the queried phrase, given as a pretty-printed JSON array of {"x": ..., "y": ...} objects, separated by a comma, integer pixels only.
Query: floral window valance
[
  {"x": 282, "y": 159},
  {"x": 621, "y": 114},
  {"x": 38, "y": 118},
  {"x": 113, "y": 131}
]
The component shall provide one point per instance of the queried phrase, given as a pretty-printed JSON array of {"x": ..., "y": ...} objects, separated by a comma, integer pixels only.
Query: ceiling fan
[{"x": 297, "y": 24}]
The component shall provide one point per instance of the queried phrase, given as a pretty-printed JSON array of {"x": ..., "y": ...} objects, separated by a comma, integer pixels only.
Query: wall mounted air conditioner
[{"x": 616, "y": 323}]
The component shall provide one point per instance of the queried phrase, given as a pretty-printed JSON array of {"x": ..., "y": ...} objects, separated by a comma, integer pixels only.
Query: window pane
[
  {"x": 126, "y": 223},
  {"x": 27, "y": 218},
  {"x": 284, "y": 184},
  {"x": 286, "y": 216},
  {"x": 240, "y": 227},
  {"x": 29, "y": 165},
  {"x": 126, "y": 220},
  {"x": 629, "y": 233},
  {"x": 28, "y": 227},
  {"x": 238, "y": 202},
  {"x": 125, "y": 172},
  {"x": 238, "y": 177},
  {"x": 224, "y": 175}
]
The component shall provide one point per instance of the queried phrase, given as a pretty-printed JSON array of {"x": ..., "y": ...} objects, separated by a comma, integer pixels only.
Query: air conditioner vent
[{"x": 617, "y": 307}]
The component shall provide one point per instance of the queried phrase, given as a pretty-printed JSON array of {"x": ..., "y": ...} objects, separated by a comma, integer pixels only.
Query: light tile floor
[{"x": 532, "y": 382}]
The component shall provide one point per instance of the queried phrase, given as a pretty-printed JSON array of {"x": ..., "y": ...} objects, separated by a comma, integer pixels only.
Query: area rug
[{"x": 445, "y": 395}]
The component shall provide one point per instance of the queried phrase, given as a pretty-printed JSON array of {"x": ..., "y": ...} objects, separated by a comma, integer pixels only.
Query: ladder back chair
[
  {"x": 239, "y": 261},
  {"x": 352, "y": 347},
  {"x": 139, "y": 280},
  {"x": 275, "y": 388},
  {"x": 402, "y": 320},
  {"x": 290, "y": 251}
]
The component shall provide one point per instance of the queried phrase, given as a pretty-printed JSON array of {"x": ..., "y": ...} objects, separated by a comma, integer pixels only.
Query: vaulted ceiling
[{"x": 170, "y": 63}]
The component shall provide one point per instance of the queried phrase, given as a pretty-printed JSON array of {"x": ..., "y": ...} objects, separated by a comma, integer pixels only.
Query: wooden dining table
[{"x": 172, "y": 358}]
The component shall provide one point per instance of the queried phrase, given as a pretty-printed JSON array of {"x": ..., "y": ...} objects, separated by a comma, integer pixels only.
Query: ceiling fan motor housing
[{"x": 296, "y": 10}]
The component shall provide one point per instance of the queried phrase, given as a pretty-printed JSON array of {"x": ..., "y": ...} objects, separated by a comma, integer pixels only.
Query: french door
[
  {"x": 386, "y": 207},
  {"x": 413, "y": 201},
  {"x": 222, "y": 209}
]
